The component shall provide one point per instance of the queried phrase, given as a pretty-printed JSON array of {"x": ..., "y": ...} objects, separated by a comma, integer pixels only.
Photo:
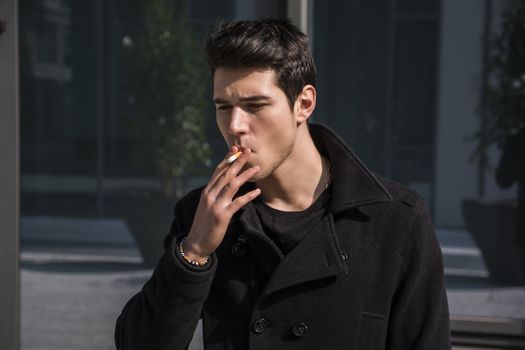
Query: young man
[{"x": 295, "y": 244}]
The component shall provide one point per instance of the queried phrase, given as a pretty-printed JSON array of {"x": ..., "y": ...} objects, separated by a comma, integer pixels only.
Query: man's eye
[
  {"x": 223, "y": 107},
  {"x": 255, "y": 106}
]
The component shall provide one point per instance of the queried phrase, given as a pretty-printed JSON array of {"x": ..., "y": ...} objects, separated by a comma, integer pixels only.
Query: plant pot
[
  {"x": 148, "y": 216},
  {"x": 492, "y": 225}
]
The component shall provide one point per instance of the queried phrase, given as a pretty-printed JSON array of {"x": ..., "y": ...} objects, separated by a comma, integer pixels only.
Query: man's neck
[{"x": 299, "y": 180}]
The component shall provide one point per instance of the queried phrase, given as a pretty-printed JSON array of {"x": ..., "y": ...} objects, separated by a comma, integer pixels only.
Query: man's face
[{"x": 253, "y": 112}]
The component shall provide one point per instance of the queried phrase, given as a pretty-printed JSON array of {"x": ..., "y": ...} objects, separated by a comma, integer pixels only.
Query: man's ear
[{"x": 305, "y": 103}]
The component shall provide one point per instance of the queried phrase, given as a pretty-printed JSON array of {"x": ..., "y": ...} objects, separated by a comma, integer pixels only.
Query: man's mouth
[{"x": 243, "y": 148}]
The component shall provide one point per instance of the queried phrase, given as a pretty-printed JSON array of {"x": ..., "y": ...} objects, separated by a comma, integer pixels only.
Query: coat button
[
  {"x": 238, "y": 250},
  {"x": 345, "y": 257},
  {"x": 259, "y": 325},
  {"x": 299, "y": 329}
]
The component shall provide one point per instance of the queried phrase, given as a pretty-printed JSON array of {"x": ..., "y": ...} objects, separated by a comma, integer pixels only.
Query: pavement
[
  {"x": 75, "y": 277},
  {"x": 77, "y": 274}
]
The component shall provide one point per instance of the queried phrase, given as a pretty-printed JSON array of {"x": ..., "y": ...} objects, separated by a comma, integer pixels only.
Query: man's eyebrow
[
  {"x": 220, "y": 101},
  {"x": 254, "y": 98}
]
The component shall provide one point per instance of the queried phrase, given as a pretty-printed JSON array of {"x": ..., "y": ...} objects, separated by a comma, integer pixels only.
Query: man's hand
[{"x": 217, "y": 206}]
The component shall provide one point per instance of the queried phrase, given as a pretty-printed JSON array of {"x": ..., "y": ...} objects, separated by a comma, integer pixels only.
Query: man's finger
[
  {"x": 230, "y": 173},
  {"x": 241, "y": 201},
  {"x": 233, "y": 186},
  {"x": 219, "y": 170}
]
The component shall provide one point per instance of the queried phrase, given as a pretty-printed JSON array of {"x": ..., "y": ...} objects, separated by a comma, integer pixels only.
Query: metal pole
[
  {"x": 9, "y": 177},
  {"x": 297, "y": 11}
]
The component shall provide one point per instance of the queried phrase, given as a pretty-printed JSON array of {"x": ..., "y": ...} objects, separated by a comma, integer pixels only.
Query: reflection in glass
[
  {"x": 503, "y": 125},
  {"x": 116, "y": 123}
]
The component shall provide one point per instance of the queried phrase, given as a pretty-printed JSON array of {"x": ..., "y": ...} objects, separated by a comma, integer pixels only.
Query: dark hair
[{"x": 268, "y": 43}]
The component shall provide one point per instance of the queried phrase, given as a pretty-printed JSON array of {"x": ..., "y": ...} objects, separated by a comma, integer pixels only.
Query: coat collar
[
  {"x": 319, "y": 254},
  {"x": 354, "y": 185}
]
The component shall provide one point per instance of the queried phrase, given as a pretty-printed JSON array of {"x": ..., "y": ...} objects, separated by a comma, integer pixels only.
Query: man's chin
[{"x": 257, "y": 177}]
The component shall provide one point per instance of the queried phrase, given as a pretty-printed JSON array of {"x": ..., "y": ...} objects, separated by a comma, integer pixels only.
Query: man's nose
[{"x": 238, "y": 121}]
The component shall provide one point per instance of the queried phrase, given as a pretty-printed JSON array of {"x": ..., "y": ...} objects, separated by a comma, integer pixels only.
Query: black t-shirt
[{"x": 287, "y": 229}]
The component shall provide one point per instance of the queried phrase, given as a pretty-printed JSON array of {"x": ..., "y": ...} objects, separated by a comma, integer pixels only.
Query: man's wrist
[{"x": 188, "y": 254}]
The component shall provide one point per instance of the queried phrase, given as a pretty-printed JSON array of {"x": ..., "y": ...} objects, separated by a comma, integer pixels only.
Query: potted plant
[
  {"x": 166, "y": 83},
  {"x": 492, "y": 222}
]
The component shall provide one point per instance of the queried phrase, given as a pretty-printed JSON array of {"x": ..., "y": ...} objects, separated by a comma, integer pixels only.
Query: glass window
[
  {"x": 46, "y": 42},
  {"x": 417, "y": 7},
  {"x": 351, "y": 51},
  {"x": 110, "y": 91}
]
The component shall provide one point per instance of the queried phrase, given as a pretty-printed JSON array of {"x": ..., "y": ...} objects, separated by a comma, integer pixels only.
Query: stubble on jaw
[{"x": 265, "y": 174}]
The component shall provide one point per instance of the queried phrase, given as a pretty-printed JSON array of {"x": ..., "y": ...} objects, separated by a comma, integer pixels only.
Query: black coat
[{"x": 369, "y": 276}]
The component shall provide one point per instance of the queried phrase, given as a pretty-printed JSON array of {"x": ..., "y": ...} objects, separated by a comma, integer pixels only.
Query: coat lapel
[
  {"x": 354, "y": 185},
  {"x": 317, "y": 256},
  {"x": 263, "y": 248}
]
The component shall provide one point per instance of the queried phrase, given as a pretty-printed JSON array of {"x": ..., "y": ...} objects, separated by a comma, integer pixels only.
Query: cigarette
[{"x": 233, "y": 158}]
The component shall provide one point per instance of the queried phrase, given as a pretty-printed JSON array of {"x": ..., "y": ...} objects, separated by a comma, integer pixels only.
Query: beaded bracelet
[{"x": 188, "y": 260}]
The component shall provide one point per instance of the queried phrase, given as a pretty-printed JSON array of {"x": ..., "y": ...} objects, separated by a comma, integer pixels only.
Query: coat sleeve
[
  {"x": 419, "y": 315},
  {"x": 165, "y": 313}
]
